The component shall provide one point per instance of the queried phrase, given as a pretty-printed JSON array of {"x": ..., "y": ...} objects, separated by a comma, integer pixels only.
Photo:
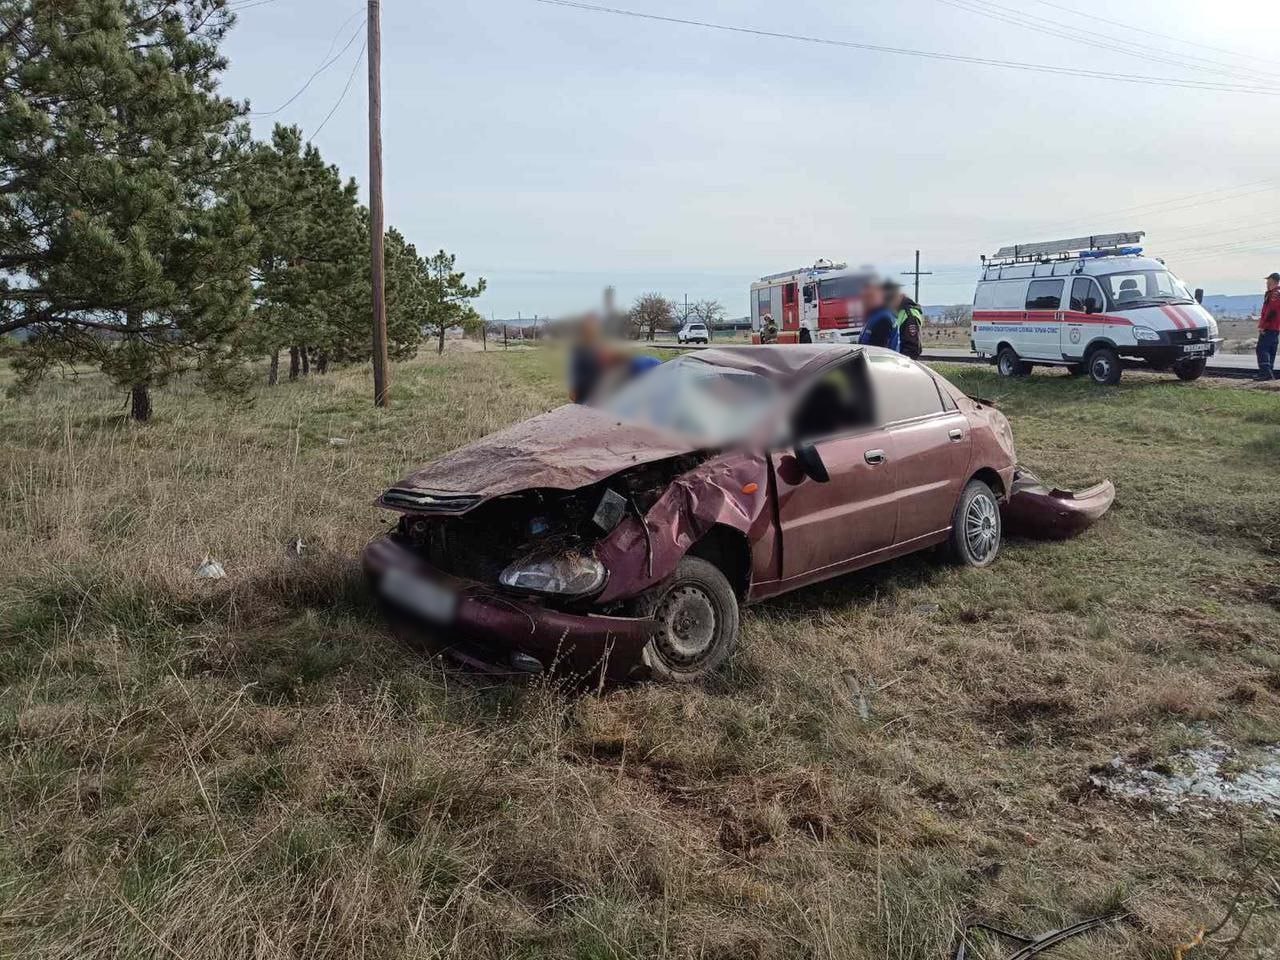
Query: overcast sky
[{"x": 557, "y": 150}]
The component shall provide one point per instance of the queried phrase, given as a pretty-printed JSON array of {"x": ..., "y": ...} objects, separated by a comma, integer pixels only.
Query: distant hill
[{"x": 1246, "y": 305}]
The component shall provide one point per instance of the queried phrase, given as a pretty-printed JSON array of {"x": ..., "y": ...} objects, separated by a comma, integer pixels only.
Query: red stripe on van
[{"x": 1175, "y": 317}]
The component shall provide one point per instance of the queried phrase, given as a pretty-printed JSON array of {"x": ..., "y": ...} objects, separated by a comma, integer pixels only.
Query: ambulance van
[{"x": 1092, "y": 304}]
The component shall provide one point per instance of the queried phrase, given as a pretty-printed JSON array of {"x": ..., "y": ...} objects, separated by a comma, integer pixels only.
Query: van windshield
[{"x": 1134, "y": 288}]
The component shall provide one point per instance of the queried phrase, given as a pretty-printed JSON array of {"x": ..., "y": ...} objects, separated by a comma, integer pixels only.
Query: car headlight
[
  {"x": 1213, "y": 329},
  {"x": 1145, "y": 333},
  {"x": 569, "y": 574}
]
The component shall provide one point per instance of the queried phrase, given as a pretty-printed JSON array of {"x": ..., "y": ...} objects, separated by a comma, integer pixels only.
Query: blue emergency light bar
[{"x": 1115, "y": 252}]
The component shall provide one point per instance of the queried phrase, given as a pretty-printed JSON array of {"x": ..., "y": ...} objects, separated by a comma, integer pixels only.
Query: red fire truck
[{"x": 823, "y": 298}]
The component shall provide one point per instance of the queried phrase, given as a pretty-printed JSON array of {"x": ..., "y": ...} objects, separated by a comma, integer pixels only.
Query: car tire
[
  {"x": 975, "y": 526},
  {"x": 1103, "y": 365},
  {"x": 1009, "y": 364},
  {"x": 1190, "y": 369},
  {"x": 697, "y": 614}
]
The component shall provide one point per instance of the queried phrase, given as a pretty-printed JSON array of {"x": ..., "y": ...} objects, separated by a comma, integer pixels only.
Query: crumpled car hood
[{"x": 566, "y": 448}]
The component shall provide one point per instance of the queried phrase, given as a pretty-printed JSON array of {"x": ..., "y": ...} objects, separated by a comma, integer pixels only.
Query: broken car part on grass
[
  {"x": 623, "y": 538},
  {"x": 1031, "y": 946}
]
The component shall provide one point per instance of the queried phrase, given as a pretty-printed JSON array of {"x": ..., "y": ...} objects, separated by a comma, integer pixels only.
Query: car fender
[{"x": 731, "y": 491}]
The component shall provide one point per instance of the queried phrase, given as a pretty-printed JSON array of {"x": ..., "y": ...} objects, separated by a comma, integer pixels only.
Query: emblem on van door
[{"x": 1075, "y": 334}]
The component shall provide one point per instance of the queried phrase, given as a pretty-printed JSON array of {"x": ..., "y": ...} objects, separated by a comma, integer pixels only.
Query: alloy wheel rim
[
  {"x": 686, "y": 626},
  {"x": 982, "y": 527}
]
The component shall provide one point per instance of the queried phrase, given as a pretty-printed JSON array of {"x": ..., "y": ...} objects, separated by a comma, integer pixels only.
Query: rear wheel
[
  {"x": 1104, "y": 366},
  {"x": 697, "y": 614},
  {"x": 1009, "y": 364},
  {"x": 975, "y": 526},
  {"x": 1190, "y": 369}
]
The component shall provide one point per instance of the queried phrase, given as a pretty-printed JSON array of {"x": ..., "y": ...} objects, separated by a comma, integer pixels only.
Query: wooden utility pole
[
  {"x": 376, "y": 219},
  {"x": 917, "y": 273}
]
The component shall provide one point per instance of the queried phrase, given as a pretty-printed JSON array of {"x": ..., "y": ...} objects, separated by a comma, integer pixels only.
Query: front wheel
[
  {"x": 1104, "y": 367},
  {"x": 697, "y": 614},
  {"x": 975, "y": 526},
  {"x": 1190, "y": 369}
]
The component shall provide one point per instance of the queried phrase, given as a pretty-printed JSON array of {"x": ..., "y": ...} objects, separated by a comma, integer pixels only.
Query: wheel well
[
  {"x": 1004, "y": 343},
  {"x": 1095, "y": 344},
  {"x": 991, "y": 479},
  {"x": 730, "y": 552}
]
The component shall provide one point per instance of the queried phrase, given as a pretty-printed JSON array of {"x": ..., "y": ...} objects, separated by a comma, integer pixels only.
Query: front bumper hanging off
[{"x": 509, "y": 633}]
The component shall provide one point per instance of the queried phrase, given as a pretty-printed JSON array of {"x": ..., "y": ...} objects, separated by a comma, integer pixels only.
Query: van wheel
[
  {"x": 1104, "y": 366},
  {"x": 1190, "y": 369},
  {"x": 697, "y": 614},
  {"x": 1008, "y": 364},
  {"x": 975, "y": 526}
]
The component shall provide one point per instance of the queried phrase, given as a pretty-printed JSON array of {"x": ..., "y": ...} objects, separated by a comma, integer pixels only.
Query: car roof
[{"x": 784, "y": 364}]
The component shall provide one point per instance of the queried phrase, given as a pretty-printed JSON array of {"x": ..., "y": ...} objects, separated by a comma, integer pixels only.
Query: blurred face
[
  {"x": 1271, "y": 284},
  {"x": 893, "y": 298},
  {"x": 872, "y": 298}
]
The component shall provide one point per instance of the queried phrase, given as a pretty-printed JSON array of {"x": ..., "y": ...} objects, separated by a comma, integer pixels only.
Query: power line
[
  {"x": 342, "y": 96},
  {"x": 1182, "y": 83},
  {"x": 1143, "y": 29},
  {"x": 319, "y": 70},
  {"x": 1055, "y": 28}
]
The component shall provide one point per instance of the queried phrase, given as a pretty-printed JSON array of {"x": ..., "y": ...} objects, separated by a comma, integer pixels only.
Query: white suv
[{"x": 693, "y": 333}]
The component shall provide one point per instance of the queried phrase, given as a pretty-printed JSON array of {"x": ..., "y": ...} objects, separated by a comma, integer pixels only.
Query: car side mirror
[
  {"x": 810, "y": 461},
  {"x": 1199, "y": 294},
  {"x": 1091, "y": 307}
]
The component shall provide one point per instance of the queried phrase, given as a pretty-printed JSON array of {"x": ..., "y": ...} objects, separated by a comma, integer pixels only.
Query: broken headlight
[{"x": 567, "y": 574}]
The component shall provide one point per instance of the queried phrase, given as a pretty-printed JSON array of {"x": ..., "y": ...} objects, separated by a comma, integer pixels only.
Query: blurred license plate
[
  {"x": 423, "y": 597},
  {"x": 1196, "y": 348}
]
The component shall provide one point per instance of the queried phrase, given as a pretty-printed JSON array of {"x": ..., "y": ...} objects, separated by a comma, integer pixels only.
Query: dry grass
[{"x": 253, "y": 768}]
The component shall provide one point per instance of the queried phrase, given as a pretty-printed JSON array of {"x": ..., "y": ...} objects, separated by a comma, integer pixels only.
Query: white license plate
[
  {"x": 1196, "y": 348},
  {"x": 426, "y": 598}
]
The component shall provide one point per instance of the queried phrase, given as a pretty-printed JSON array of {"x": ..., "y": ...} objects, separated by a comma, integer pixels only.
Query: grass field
[{"x": 252, "y": 767}]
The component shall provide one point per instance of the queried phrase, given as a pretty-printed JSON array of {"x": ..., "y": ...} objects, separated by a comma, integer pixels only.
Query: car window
[
  {"x": 1000, "y": 295},
  {"x": 903, "y": 389},
  {"x": 1045, "y": 294},
  {"x": 841, "y": 288},
  {"x": 839, "y": 401},
  {"x": 1085, "y": 295}
]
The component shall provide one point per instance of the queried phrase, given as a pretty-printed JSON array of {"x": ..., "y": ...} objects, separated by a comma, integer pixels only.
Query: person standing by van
[
  {"x": 879, "y": 328},
  {"x": 768, "y": 329},
  {"x": 1269, "y": 329},
  {"x": 908, "y": 317}
]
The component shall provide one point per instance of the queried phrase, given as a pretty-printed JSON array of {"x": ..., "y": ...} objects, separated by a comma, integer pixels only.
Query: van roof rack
[{"x": 1063, "y": 248}]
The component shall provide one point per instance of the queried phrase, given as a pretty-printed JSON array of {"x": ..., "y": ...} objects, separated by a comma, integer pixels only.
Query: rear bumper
[
  {"x": 516, "y": 635},
  {"x": 1034, "y": 510}
]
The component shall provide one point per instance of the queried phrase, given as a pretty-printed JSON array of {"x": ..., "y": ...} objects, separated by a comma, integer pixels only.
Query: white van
[{"x": 1091, "y": 304}]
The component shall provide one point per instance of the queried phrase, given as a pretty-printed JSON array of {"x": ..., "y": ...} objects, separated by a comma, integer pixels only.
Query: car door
[
  {"x": 1043, "y": 319},
  {"x": 930, "y": 439},
  {"x": 1086, "y": 307},
  {"x": 827, "y": 526}
]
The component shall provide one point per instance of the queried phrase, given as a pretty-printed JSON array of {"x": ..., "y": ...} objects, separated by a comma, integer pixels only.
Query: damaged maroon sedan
[{"x": 622, "y": 539}]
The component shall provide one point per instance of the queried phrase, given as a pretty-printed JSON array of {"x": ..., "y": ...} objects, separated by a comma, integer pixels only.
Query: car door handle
[
  {"x": 874, "y": 456},
  {"x": 956, "y": 436}
]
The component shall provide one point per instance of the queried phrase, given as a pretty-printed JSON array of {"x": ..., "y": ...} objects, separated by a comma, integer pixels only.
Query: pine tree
[{"x": 120, "y": 244}]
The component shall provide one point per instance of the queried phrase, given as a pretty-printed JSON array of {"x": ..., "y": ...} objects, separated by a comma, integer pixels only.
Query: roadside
[{"x": 212, "y": 768}]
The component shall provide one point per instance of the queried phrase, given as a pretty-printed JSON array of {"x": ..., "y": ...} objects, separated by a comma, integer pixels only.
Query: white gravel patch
[{"x": 1200, "y": 778}]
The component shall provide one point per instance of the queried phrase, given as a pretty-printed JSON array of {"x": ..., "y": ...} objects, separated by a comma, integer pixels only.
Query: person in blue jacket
[{"x": 879, "y": 327}]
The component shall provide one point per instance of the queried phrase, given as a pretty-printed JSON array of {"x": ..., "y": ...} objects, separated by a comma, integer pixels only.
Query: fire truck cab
[
  {"x": 1092, "y": 304},
  {"x": 822, "y": 299}
]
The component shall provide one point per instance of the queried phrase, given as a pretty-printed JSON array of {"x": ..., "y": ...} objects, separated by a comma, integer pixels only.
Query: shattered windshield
[
  {"x": 715, "y": 405},
  {"x": 1134, "y": 287}
]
